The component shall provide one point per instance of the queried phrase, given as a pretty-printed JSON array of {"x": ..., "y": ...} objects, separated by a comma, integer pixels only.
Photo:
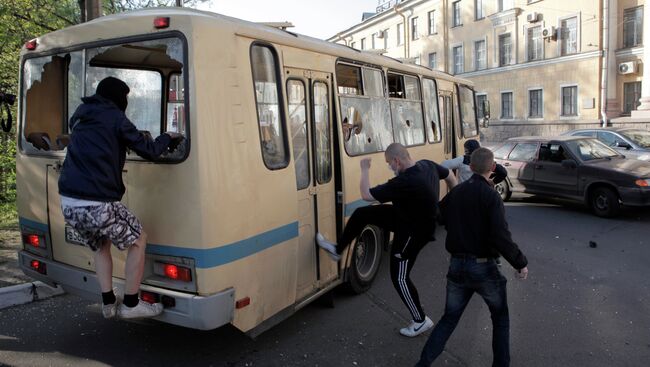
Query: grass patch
[{"x": 8, "y": 216}]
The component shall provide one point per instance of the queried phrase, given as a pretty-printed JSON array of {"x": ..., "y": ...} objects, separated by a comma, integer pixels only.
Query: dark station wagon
[{"x": 576, "y": 168}]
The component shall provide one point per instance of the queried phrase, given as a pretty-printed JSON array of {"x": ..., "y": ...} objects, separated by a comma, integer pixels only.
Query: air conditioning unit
[
  {"x": 380, "y": 34},
  {"x": 532, "y": 17},
  {"x": 627, "y": 67},
  {"x": 549, "y": 32}
]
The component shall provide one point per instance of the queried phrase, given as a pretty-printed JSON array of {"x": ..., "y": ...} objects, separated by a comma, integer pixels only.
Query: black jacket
[
  {"x": 474, "y": 216},
  {"x": 100, "y": 134}
]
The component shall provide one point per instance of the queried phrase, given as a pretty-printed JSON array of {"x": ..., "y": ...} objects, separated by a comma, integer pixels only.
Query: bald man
[{"x": 414, "y": 193}]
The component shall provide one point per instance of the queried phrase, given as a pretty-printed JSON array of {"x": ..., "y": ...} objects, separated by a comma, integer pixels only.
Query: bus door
[
  {"x": 445, "y": 101},
  {"x": 309, "y": 112}
]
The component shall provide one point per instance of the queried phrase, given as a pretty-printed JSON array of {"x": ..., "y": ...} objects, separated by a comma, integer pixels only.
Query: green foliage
[{"x": 8, "y": 216}]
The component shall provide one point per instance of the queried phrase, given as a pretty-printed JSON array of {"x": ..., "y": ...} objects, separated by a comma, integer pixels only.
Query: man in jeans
[
  {"x": 477, "y": 232},
  {"x": 414, "y": 195},
  {"x": 91, "y": 188}
]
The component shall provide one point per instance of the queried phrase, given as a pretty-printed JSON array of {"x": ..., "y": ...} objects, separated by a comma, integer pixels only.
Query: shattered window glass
[
  {"x": 467, "y": 112},
  {"x": 406, "y": 111},
  {"x": 53, "y": 88},
  {"x": 431, "y": 108}
]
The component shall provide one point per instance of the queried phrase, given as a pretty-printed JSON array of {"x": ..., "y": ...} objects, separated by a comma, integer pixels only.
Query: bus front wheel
[{"x": 366, "y": 258}]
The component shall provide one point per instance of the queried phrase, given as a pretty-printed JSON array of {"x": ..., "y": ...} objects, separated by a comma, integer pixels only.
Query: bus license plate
[{"x": 72, "y": 236}]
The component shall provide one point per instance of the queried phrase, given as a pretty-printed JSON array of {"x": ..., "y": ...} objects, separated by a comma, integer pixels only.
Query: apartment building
[{"x": 545, "y": 66}]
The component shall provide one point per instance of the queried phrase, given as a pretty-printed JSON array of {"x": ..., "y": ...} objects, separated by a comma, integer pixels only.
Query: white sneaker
[
  {"x": 329, "y": 247},
  {"x": 142, "y": 310},
  {"x": 417, "y": 328},
  {"x": 109, "y": 311}
]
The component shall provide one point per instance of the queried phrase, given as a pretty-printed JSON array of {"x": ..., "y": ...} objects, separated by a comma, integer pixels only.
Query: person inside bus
[
  {"x": 91, "y": 188},
  {"x": 414, "y": 193},
  {"x": 461, "y": 164}
]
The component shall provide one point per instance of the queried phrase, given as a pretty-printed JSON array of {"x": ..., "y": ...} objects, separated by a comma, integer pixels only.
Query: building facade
[{"x": 545, "y": 66}]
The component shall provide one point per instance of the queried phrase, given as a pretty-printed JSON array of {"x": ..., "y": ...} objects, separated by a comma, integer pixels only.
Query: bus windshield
[{"x": 54, "y": 85}]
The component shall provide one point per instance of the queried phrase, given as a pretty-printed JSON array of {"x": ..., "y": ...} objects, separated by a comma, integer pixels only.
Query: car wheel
[
  {"x": 604, "y": 202},
  {"x": 366, "y": 258},
  {"x": 504, "y": 190}
]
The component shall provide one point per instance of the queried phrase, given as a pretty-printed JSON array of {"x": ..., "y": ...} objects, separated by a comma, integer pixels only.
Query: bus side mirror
[{"x": 486, "y": 113}]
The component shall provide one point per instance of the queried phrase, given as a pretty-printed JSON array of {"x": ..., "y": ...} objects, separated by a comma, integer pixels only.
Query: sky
[{"x": 315, "y": 18}]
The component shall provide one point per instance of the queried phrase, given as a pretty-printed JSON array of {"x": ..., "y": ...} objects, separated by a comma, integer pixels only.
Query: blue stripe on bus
[
  {"x": 208, "y": 258},
  {"x": 32, "y": 224},
  {"x": 351, "y": 207}
]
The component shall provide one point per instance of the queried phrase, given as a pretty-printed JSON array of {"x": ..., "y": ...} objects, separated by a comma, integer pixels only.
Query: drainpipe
[
  {"x": 406, "y": 38},
  {"x": 340, "y": 37},
  {"x": 445, "y": 37},
  {"x": 604, "y": 63}
]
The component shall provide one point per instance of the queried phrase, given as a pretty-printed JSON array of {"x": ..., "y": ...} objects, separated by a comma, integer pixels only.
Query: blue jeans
[{"x": 465, "y": 277}]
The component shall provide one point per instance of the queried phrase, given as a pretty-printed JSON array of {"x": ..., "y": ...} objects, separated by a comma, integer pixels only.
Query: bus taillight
[
  {"x": 31, "y": 45},
  {"x": 31, "y": 240},
  {"x": 178, "y": 273},
  {"x": 173, "y": 271},
  {"x": 38, "y": 266}
]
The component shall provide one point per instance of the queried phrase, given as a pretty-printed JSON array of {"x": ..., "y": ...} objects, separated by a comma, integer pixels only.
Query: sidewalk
[{"x": 15, "y": 287}]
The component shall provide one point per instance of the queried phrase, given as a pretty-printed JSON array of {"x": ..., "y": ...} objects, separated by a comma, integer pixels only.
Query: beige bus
[{"x": 275, "y": 126}]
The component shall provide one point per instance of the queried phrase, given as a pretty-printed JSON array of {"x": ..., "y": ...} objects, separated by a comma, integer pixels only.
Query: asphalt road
[{"x": 581, "y": 306}]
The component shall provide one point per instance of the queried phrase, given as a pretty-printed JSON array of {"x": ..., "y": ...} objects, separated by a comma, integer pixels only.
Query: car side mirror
[
  {"x": 569, "y": 163},
  {"x": 622, "y": 144}
]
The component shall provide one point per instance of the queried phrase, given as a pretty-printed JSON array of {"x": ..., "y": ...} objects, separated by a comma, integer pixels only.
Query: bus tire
[{"x": 366, "y": 258}]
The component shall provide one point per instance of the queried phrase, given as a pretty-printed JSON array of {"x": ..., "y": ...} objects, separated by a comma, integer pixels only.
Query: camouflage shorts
[{"x": 110, "y": 220}]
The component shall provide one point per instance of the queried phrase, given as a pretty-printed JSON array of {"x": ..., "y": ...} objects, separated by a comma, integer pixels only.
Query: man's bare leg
[
  {"x": 135, "y": 264},
  {"x": 104, "y": 266}
]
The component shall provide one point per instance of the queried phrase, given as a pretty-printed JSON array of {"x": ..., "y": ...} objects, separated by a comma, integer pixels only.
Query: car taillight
[{"x": 642, "y": 182}]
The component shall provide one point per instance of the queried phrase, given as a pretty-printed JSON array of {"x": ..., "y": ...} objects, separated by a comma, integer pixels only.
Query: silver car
[{"x": 630, "y": 142}]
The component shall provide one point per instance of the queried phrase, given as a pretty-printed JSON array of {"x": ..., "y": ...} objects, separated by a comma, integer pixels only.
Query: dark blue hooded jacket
[{"x": 100, "y": 134}]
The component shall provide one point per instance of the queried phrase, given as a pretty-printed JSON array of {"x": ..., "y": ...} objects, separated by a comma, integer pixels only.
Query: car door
[
  {"x": 551, "y": 177},
  {"x": 519, "y": 165}
]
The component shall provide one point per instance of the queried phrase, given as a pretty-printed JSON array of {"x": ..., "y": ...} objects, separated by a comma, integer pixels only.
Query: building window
[
  {"x": 480, "y": 59},
  {"x": 363, "y": 43},
  {"x": 505, "y": 49},
  {"x": 414, "y": 28},
  {"x": 400, "y": 27},
  {"x": 505, "y": 4},
  {"x": 570, "y": 101},
  {"x": 633, "y": 27},
  {"x": 480, "y": 102},
  {"x": 569, "y": 36},
  {"x": 535, "y": 103},
  {"x": 506, "y": 105},
  {"x": 478, "y": 10},
  {"x": 432, "y": 22},
  {"x": 457, "y": 53},
  {"x": 353, "y": 45},
  {"x": 535, "y": 43},
  {"x": 631, "y": 96},
  {"x": 372, "y": 41},
  {"x": 455, "y": 19},
  {"x": 433, "y": 60}
]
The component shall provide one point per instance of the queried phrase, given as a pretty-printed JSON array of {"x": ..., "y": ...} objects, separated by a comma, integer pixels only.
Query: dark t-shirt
[{"x": 414, "y": 194}]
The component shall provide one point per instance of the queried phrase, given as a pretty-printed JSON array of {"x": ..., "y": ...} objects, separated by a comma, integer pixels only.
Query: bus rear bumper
[{"x": 190, "y": 310}]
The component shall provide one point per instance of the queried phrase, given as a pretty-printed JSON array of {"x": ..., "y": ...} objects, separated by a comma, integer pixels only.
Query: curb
[{"x": 26, "y": 293}]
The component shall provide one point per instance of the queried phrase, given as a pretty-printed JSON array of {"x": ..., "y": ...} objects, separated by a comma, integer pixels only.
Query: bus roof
[{"x": 239, "y": 27}]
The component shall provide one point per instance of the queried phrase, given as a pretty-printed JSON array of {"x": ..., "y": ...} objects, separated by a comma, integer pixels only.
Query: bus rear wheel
[{"x": 366, "y": 258}]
